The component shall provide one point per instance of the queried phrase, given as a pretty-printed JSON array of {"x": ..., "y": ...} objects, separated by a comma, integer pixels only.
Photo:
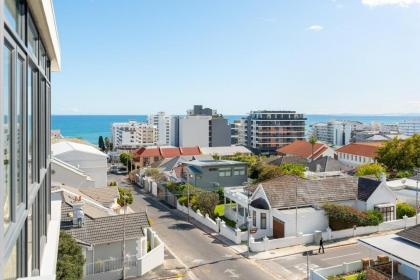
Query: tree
[
  {"x": 125, "y": 159},
  {"x": 400, "y": 156},
  {"x": 107, "y": 144},
  {"x": 312, "y": 141},
  {"x": 101, "y": 144},
  {"x": 293, "y": 169},
  {"x": 405, "y": 209},
  {"x": 70, "y": 259},
  {"x": 206, "y": 202},
  {"x": 155, "y": 174},
  {"x": 125, "y": 197},
  {"x": 268, "y": 172},
  {"x": 370, "y": 169}
]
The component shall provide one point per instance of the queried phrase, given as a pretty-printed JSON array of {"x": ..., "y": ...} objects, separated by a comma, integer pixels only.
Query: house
[
  {"x": 279, "y": 160},
  {"x": 402, "y": 251},
  {"x": 103, "y": 232},
  {"x": 405, "y": 189},
  {"x": 355, "y": 154},
  {"x": 211, "y": 174},
  {"x": 375, "y": 194},
  {"x": 84, "y": 157},
  {"x": 304, "y": 149},
  {"x": 146, "y": 156},
  {"x": 274, "y": 203},
  {"x": 67, "y": 174}
]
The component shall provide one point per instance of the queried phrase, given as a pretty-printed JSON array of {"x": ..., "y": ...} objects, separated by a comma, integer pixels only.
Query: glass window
[
  {"x": 29, "y": 241},
  {"x": 239, "y": 171},
  {"x": 10, "y": 269},
  {"x": 225, "y": 172},
  {"x": 7, "y": 89},
  {"x": 30, "y": 146},
  {"x": 254, "y": 218},
  {"x": 32, "y": 37},
  {"x": 263, "y": 222},
  {"x": 15, "y": 16},
  {"x": 42, "y": 57}
]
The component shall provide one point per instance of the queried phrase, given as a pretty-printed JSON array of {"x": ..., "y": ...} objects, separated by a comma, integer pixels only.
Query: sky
[{"x": 312, "y": 56}]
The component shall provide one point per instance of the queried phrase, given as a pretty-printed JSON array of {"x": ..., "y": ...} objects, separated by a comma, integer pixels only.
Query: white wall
[
  {"x": 69, "y": 175},
  {"x": 309, "y": 220},
  {"x": 381, "y": 195},
  {"x": 194, "y": 131},
  {"x": 93, "y": 165},
  {"x": 353, "y": 160}
]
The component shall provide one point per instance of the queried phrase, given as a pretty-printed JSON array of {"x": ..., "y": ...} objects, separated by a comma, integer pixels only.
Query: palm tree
[
  {"x": 312, "y": 140},
  {"x": 125, "y": 198}
]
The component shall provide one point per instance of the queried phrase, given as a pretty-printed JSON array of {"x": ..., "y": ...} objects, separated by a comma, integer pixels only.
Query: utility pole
[
  {"x": 307, "y": 265},
  {"x": 249, "y": 221},
  {"x": 296, "y": 203},
  {"x": 123, "y": 257},
  {"x": 188, "y": 202}
]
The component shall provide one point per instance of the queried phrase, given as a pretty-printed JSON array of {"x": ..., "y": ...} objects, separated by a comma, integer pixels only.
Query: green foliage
[
  {"x": 370, "y": 169},
  {"x": 398, "y": 155},
  {"x": 155, "y": 174},
  {"x": 206, "y": 202},
  {"x": 125, "y": 159},
  {"x": 108, "y": 144},
  {"x": 343, "y": 217},
  {"x": 219, "y": 210},
  {"x": 361, "y": 276},
  {"x": 312, "y": 141},
  {"x": 101, "y": 143},
  {"x": 405, "y": 209},
  {"x": 112, "y": 184},
  {"x": 125, "y": 197},
  {"x": 70, "y": 259},
  {"x": 176, "y": 189},
  {"x": 293, "y": 169},
  {"x": 268, "y": 171},
  {"x": 404, "y": 174},
  {"x": 221, "y": 193}
]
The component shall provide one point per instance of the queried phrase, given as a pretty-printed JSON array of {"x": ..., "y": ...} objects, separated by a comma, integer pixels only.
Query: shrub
[
  {"x": 361, "y": 276},
  {"x": 343, "y": 217},
  {"x": 206, "y": 202},
  {"x": 70, "y": 259},
  {"x": 405, "y": 209},
  {"x": 370, "y": 169}
]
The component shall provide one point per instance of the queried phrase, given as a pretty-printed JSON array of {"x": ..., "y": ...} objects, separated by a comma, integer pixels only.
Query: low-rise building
[
  {"x": 212, "y": 174},
  {"x": 355, "y": 154},
  {"x": 305, "y": 150},
  {"x": 133, "y": 135},
  {"x": 410, "y": 128},
  {"x": 147, "y": 156},
  {"x": 225, "y": 151},
  {"x": 83, "y": 157}
]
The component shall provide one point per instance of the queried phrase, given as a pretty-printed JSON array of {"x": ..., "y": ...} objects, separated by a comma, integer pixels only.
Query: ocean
[{"x": 90, "y": 127}]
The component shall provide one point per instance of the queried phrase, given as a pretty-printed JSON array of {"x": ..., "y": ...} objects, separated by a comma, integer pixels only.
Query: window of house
[
  {"x": 263, "y": 222},
  {"x": 225, "y": 172},
  {"x": 254, "y": 218},
  {"x": 18, "y": 112},
  {"x": 15, "y": 16},
  {"x": 239, "y": 171},
  {"x": 388, "y": 212},
  {"x": 33, "y": 37}
]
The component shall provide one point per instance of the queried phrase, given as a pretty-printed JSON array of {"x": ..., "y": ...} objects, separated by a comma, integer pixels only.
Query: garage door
[{"x": 278, "y": 228}]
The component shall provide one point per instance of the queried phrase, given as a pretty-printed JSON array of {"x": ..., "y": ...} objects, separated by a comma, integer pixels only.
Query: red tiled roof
[
  {"x": 361, "y": 149},
  {"x": 303, "y": 149},
  {"x": 170, "y": 152},
  {"x": 190, "y": 151},
  {"x": 147, "y": 152}
]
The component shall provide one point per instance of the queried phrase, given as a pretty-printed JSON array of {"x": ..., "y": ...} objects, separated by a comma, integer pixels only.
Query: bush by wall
[
  {"x": 405, "y": 209},
  {"x": 343, "y": 217},
  {"x": 70, "y": 259}
]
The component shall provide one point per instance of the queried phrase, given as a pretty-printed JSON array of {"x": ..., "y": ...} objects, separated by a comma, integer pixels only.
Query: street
[{"x": 206, "y": 257}]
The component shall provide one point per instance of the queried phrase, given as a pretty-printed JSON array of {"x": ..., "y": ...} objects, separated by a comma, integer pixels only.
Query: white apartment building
[
  {"x": 132, "y": 135},
  {"x": 410, "y": 128},
  {"x": 167, "y": 128},
  {"x": 194, "y": 131},
  {"x": 336, "y": 133}
]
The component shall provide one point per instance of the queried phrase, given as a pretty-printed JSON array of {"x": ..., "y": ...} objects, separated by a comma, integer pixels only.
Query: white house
[
  {"x": 84, "y": 157},
  {"x": 289, "y": 205},
  {"x": 405, "y": 189},
  {"x": 67, "y": 174}
]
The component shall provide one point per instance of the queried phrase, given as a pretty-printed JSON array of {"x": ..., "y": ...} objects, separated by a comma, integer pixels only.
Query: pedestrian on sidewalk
[{"x": 321, "y": 246}]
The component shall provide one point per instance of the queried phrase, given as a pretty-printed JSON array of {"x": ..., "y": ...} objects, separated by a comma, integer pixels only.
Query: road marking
[
  {"x": 232, "y": 273},
  {"x": 227, "y": 256},
  {"x": 197, "y": 260},
  {"x": 337, "y": 257},
  {"x": 302, "y": 267}
]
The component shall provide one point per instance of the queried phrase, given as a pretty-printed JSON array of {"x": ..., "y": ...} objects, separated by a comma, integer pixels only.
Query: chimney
[{"x": 78, "y": 214}]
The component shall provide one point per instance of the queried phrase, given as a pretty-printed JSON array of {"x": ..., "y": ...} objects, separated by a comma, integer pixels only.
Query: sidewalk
[{"x": 299, "y": 249}]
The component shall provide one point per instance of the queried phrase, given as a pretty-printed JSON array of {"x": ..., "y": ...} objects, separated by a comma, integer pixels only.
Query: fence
[{"x": 324, "y": 273}]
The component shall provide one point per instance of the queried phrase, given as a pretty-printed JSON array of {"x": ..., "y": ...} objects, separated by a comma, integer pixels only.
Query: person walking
[{"x": 321, "y": 246}]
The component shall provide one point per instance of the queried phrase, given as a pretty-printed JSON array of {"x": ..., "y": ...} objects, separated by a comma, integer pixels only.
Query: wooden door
[{"x": 278, "y": 228}]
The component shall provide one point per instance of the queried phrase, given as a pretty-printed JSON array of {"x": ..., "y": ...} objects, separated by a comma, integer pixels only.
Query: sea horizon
[{"x": 90, "y": 127}]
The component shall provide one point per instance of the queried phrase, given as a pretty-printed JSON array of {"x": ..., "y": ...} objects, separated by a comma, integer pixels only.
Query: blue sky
[{"x": 313, "y": 56}]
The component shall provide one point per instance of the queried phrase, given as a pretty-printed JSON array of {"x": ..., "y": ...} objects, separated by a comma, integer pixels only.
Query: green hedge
[
  {"x": 344, "y": 217},
  {"x": 405, "y": 209}
]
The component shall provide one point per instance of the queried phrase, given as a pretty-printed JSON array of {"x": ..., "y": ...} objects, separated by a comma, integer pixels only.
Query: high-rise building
[
  {"x": 410, "y": 128},
  {"x": 29, "y": 228},
  {"x": 238, "y": 132},
  {"x": 203, "y": 127},
  {"x": 336, "y": 133},
  {"x": 167, "y": 128},
  {"x": 269, "y": 130},
  {"x": 133, "y": 135}
]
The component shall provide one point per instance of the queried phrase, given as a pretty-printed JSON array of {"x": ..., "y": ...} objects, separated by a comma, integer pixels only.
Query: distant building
[
  {"x": 269, "y": 130},
  {"x": 225, "y": 151},
  {"x": 336, "y": 133},
  {"x": 212, "y": 174},
  {"x": 238, "y": 132},
  {"x": 132, "y": 135},
  {"x": 167, "y": 128},
  {"x": 410, "y": 128},
  {"x": 203, "y": 127},
  {"x": 147, "y": 156},
  {"x": 355, "y": 154}
]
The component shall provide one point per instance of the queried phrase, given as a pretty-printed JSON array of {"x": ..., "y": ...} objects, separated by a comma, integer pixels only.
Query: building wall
[
  {"x": 209, "y": 178},
  {"x": 93, "y": 165},
  {"x": 354, "y": 160},
  {"x": 69, "y": 176},
  {"x": 220, "y": 133},
  {"x": 25, "y": 136},
  {"x": 410, "y": 128},
  {"x": 309, "y": 220},
  {"x": 194, "y": 131}
]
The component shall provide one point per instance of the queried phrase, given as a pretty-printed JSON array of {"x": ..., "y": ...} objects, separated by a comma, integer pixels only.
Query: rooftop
[
  {"x": 366, "y": 149},
  {"x": 303, "y": 149},
  {"x": 225, "y": 151},
  {"x": 366, "y": 187},
  {"x": 411, "y": 234},
  {"x": 204, "y": 163},
  {"x": 70, "y": 146}
]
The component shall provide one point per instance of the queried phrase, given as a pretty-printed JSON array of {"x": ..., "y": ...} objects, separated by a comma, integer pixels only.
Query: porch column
[
  {"x": 237, "y": 210},
  {"x": 392, "y": 269}
]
